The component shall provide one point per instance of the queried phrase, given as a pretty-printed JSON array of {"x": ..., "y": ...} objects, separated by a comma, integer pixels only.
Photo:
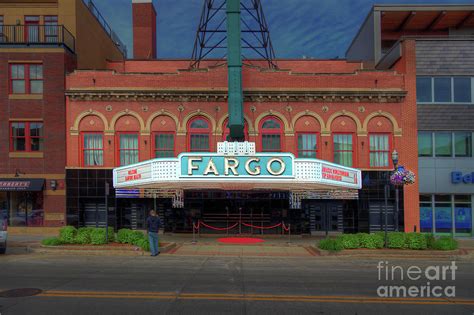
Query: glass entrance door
[{"x": 324, "y": 216}]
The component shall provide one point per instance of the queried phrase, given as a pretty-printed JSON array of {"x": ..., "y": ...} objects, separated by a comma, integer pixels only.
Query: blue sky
[{"x": 313, "y": 28}]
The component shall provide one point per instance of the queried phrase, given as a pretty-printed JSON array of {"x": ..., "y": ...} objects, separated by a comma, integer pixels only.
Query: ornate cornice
[{"x": 297, "y": 95}]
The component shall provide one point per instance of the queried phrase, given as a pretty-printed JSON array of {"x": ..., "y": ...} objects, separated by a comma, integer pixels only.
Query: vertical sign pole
[
  {"x": 194, "y": 233},
  {"x": 234, "y": 66},
  {"x": 386, "y": 213},
  {"x": 396, "y": 208},
  {"x": 107, "y": 212},
  {"x": 289, "y": 233}
]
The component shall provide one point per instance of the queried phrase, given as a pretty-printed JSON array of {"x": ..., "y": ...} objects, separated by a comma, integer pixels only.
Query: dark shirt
[{"x": 153, "y": 224}]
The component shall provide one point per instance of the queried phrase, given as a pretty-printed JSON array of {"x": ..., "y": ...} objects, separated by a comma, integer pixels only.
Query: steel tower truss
[{"x": 211, "y": 35}]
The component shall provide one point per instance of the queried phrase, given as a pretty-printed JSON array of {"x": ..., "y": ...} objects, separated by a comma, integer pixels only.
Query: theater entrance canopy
[{"x": 236, "y": 166}]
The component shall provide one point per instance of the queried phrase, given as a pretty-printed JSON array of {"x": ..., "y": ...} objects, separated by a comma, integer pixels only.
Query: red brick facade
[
  {"x": 48, "y": 108},
  {"x": 323, "y": 97}
]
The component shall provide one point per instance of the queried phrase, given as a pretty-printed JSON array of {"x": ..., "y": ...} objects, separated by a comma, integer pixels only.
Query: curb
[
  {"x": 99, "y": 251},
  {"x": 394, "y": 253}
]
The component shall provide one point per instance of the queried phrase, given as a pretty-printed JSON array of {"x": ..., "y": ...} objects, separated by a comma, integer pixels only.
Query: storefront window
[
  {"x": 463, "y": 214},
  {"x": 443, "y": 214},
  {"x": 443, "y": 141},
  {"x": 307, "y": 145},
  {"x": 426, "y": 213},
  {"x": 93, "y": 149},
  {"x": 423, "y": 90},
  {"x": 379, "y": 150},
  {"x": 164, "y": 145},
  {"x": 128, "y": 148},
  {"x": 22, "y": 208},
  {"x": 425, "y": 143},
  {"x": 463, "y": 144},
  {"x": 343, "y": 149},
  {"x": 3, "y": 204},
  {"x": 271, "y": 136},
  {"x": 199, "y": 132},
  {"x": 442, "y": 89},
  {"x": 462, "y": 89}
]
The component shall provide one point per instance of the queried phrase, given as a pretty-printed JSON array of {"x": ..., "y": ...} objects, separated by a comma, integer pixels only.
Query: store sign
[
  {"x": 134, "y": 173},
  {"x": 14, "y": 184},
  {"x": 338, "y": 174},
  {"x": 21, "y": 184},
  {"x": 460, "y": 178},
  {"x": 209, "y": 165}
]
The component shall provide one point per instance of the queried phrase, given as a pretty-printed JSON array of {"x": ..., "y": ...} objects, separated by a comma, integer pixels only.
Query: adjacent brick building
[{"x": 40, "y": 42}]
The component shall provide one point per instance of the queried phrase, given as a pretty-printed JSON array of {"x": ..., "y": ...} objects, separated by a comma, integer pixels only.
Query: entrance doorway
[
  {"x": 251, "y": 210},
  {"x": 324, "y": 215}
]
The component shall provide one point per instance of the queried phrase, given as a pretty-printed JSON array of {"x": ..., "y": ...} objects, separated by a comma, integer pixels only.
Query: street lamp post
[
  {"x": 386, "y": 193},
  {"x": 395, "y": 163}
]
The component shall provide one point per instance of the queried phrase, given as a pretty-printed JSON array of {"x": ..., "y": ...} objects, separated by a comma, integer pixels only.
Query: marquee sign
[
  {"x": 209, "y": 165},
  {"x": 237, "y": 166},
  {"x": 338, "y": 175},
  {"x": 135, "y": 173}
]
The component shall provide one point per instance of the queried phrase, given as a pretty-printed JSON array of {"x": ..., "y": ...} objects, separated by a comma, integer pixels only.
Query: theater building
[
  {"x": 159, "y": 124},
  {"x": 442, "y": 37},
  {"x": 40, "y": 42}
]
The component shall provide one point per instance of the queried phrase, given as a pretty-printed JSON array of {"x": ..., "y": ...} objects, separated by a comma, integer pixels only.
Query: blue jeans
[{"x": 153, "y": 238}]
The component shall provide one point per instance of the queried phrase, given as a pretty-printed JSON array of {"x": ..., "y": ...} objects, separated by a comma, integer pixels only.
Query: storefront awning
[{"x": 21, "y": 184}]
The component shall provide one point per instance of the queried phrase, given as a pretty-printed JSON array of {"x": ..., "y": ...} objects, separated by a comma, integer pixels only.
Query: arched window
[
  {"x": 271, "y": 135},
  {"x": 226, "y": 132},
  {"x": 198, "y": 135}
]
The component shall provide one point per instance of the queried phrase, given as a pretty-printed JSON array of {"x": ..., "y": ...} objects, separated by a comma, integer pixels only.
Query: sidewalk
[{"x": 273, "y": 246}]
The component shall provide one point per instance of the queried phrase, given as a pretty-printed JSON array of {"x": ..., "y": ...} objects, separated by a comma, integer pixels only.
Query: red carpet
[{"x": 240, "y": 240}]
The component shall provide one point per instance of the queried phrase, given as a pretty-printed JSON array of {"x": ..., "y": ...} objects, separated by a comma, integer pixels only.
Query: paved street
[{"x": 215, "y": 285}]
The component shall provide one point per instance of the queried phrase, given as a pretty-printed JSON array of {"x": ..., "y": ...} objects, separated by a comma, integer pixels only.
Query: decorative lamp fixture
[{"x": 395, "y": 158}]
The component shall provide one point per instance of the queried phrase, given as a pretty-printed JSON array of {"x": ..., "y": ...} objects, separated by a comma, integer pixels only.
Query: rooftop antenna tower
[
  {"x": 230, "y": 31},
  {"x": 212, "y": 35}
]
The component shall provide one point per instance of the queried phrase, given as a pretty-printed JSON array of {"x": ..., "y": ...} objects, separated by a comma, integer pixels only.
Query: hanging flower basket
[{"x": 402, "y": 177}]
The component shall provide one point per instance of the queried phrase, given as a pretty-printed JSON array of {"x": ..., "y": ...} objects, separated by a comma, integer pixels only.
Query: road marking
[{"x": 253, "y": 297}]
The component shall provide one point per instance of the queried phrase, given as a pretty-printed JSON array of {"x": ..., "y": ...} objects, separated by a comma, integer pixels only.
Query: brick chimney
[{"x": 144, "y": 29}]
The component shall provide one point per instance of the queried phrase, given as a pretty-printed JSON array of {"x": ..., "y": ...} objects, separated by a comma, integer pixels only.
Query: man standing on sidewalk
[{"x": 153, "y": 225}]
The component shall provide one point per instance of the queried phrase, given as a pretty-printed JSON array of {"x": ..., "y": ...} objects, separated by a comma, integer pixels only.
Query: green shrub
[
  {"x": 350, "y": 241},
  {"x": 83, "y": 235},
  {"x": 331, "y": 244},
  {"x": 136, "y": 237},
  {"x": 144, "y": 244},
  {"x": 445, "y": 243},
  {"x": 67, "y": 234},
  {"x": 371, "y": 241},
  {"x": 430, "y": 240},
  {"x": 123, "y": 235},
  {"x": 111, "y": 234},
  {"x": 52, "y": 241},
  {"x": 397, "y": 240},
  {"x": 98, "y": 236},
  {"x": 416, "y": 241}
]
